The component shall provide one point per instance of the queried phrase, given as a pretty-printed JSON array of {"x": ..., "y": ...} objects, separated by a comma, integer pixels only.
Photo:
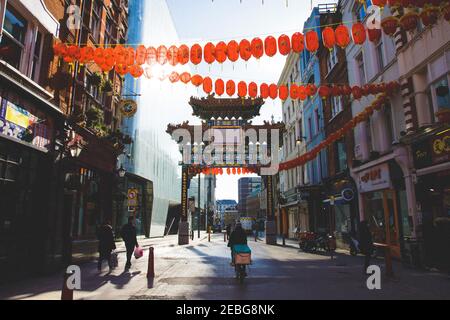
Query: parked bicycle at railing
[{"x": 312, "y": 242}]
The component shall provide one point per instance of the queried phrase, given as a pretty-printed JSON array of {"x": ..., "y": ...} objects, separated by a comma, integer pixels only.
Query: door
[{"x": 391, "y": 222}]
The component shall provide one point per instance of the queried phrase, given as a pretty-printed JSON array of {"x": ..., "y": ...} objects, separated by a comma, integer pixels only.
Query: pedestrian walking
[
  {"x": 128, "y": 234},
  {"x": 228, "y": 231},
  {"x": 106, "y": 244},
  {"x": 365, "y": 243}
]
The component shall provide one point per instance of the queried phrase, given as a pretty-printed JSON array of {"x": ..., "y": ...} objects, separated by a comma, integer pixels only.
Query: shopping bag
[
  {"x": 138, "y": 252},
  {"x": 114, "y": 260}
]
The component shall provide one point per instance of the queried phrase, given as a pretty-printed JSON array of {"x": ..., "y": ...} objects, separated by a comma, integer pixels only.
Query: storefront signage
[
  {"x": 128, "y": 108},
  {"x": 432, "y": 151},
  {"x": 19, "y": 123},
  {"x": 348, "y": 194},
  {"x": 441, "y": 148},
  {"x": 133, "y": 197},
  {"x": 376, "y": 178}
]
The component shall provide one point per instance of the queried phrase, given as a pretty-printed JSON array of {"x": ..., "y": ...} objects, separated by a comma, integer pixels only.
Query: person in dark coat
[
  {"x": 128, "y": 234},
  {"x": 365, "y": 243},
  {"x": 238, "y": 236},
  {"x": 228, "y": 231},
  {"x": 106, "y": 244}
]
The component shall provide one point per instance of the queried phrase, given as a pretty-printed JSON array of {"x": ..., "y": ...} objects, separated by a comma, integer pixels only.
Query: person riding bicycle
[{"x": 238, "y": 236}]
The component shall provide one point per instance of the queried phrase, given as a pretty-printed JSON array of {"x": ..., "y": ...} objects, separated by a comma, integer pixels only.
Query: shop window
[
  {"x": 442, "y": 93},
  {"x": 341, "y": 156},
  {"x": 13, "y": 41}
]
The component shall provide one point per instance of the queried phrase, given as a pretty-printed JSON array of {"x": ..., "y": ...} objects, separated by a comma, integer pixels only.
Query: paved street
[{"x": 202, "y": 271}]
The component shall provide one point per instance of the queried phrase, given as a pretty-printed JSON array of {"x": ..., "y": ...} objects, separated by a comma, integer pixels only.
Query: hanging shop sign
[
  {"x": 432, "y": 151},
  {"x": 128, "y": 108},
  {"x": 19, "y": 123},
  {"x": 375, "y": 178},
  {"x": 133, "y": 197}
]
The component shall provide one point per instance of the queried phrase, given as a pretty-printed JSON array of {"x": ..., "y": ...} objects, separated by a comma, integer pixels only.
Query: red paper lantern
[
  {"x": 409, "y": 21},
  {"x": 356, "y": 92},
  {"x": 312, "y": 41},
  {"x": 346, "y": 90},
  {"x": 294, "y": 91},
  {"x": 136, "y": 71},
  {"x": 270, "y": 46},
  {"x": 183, "y": 54},
  {"x": 379, "y": 3},
  {"x": 328, "y": 38},
  {"x": 302, "y": 95},
  {"x": 86, "y": 55},
  {"x": 196, "y": 54},
  {"x": 311, "y": 89},
  {"x": 197, "y": 80},
  {"x": 185, "y": 77},
  {"x": 162, "y": 55},
  {"x": 141, "y": 55},
  {"x": 283, "y": 93},
  {"x": 273, "y": 91},
  {"x": 230, "y": 88},
  {"x": 99, "y": 57},
  {"x": 228, "y": 171},
  {"x": 298, "y": 42},
  {"x": 121, "y": 69},
  {"x": 257, "y": 47},
  {"x": 110, "y": 58},
  {"x": 429, "y": 16},
  {"x": 151, "y": 55},
  {"x": 284, "y": 44},
  {"x": 207, "y": 85},
  {"x": 245, "y": 50},
  {"x": 264, "y": 89},
  {"x": 219, "y": 86},
  {"x": 209, "y": 53},
  {"x": 172, "y": 55},
  {"x": 446, "y": 12},
  {"x": 233, "y": 51},
  {"x": 336, "y": 91},
  {"x": 389, "y": 25},
  {"x": 358, "y": 33},
  {"x": 174, "y": 77},
  {"x": 221, "y": 52},
  {"x": 242, "y": 89},
  {"x": 252, "y": 90},
  {"x": 234, "y": 171},
  {"x": 374, "y": 35},
  {"x": 324, "y": 92},
  {"x": 342, "y": 36}
]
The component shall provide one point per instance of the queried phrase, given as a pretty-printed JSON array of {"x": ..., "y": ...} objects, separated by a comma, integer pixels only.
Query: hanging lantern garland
[{"x": 337, "y": 135}]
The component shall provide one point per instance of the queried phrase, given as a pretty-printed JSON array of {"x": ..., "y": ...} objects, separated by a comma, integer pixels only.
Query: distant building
[
  {"x": 225, "y": 205},
  {"x": 246, "y": 187}
]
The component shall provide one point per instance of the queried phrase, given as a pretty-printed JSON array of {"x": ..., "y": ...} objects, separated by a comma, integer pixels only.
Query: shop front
[
  {"x": 90, "y": 182},
  {"x": 384, "y": 205},
  {"x": 431, "y": 153},
  {"x": 294, "y": 216},
  {"x": 342, "y": 209},
  {"x": 27, "y": 187}
]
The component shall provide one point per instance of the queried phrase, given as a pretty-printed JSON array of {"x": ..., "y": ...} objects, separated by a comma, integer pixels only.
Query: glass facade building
[{"x": 153, "y": 154}]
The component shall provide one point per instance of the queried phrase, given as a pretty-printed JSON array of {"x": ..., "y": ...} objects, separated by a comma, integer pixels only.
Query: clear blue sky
[{"x": 215, "y": 20}]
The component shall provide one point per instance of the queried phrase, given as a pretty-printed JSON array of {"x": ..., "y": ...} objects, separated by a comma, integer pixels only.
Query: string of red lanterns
[
  {"x": 339, "y": 134},
  {"x": 283, "y": 91},
  {"x": 222, "y": 171},
  {"x": 129, "y": 60}
]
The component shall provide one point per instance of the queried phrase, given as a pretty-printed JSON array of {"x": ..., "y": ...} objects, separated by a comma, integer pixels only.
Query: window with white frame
[
  {"x": 360, "y": 68},
  {"x": 13, "y": 41},
  {"x": 21, "y": 43},
  {"x": 440, "y": 91},
  {"x": 96, "y": 18},
  {"x": 332, "y": 59},
  {"x": 336, "y": 106},
  {"x": 380, "y": 55}
]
